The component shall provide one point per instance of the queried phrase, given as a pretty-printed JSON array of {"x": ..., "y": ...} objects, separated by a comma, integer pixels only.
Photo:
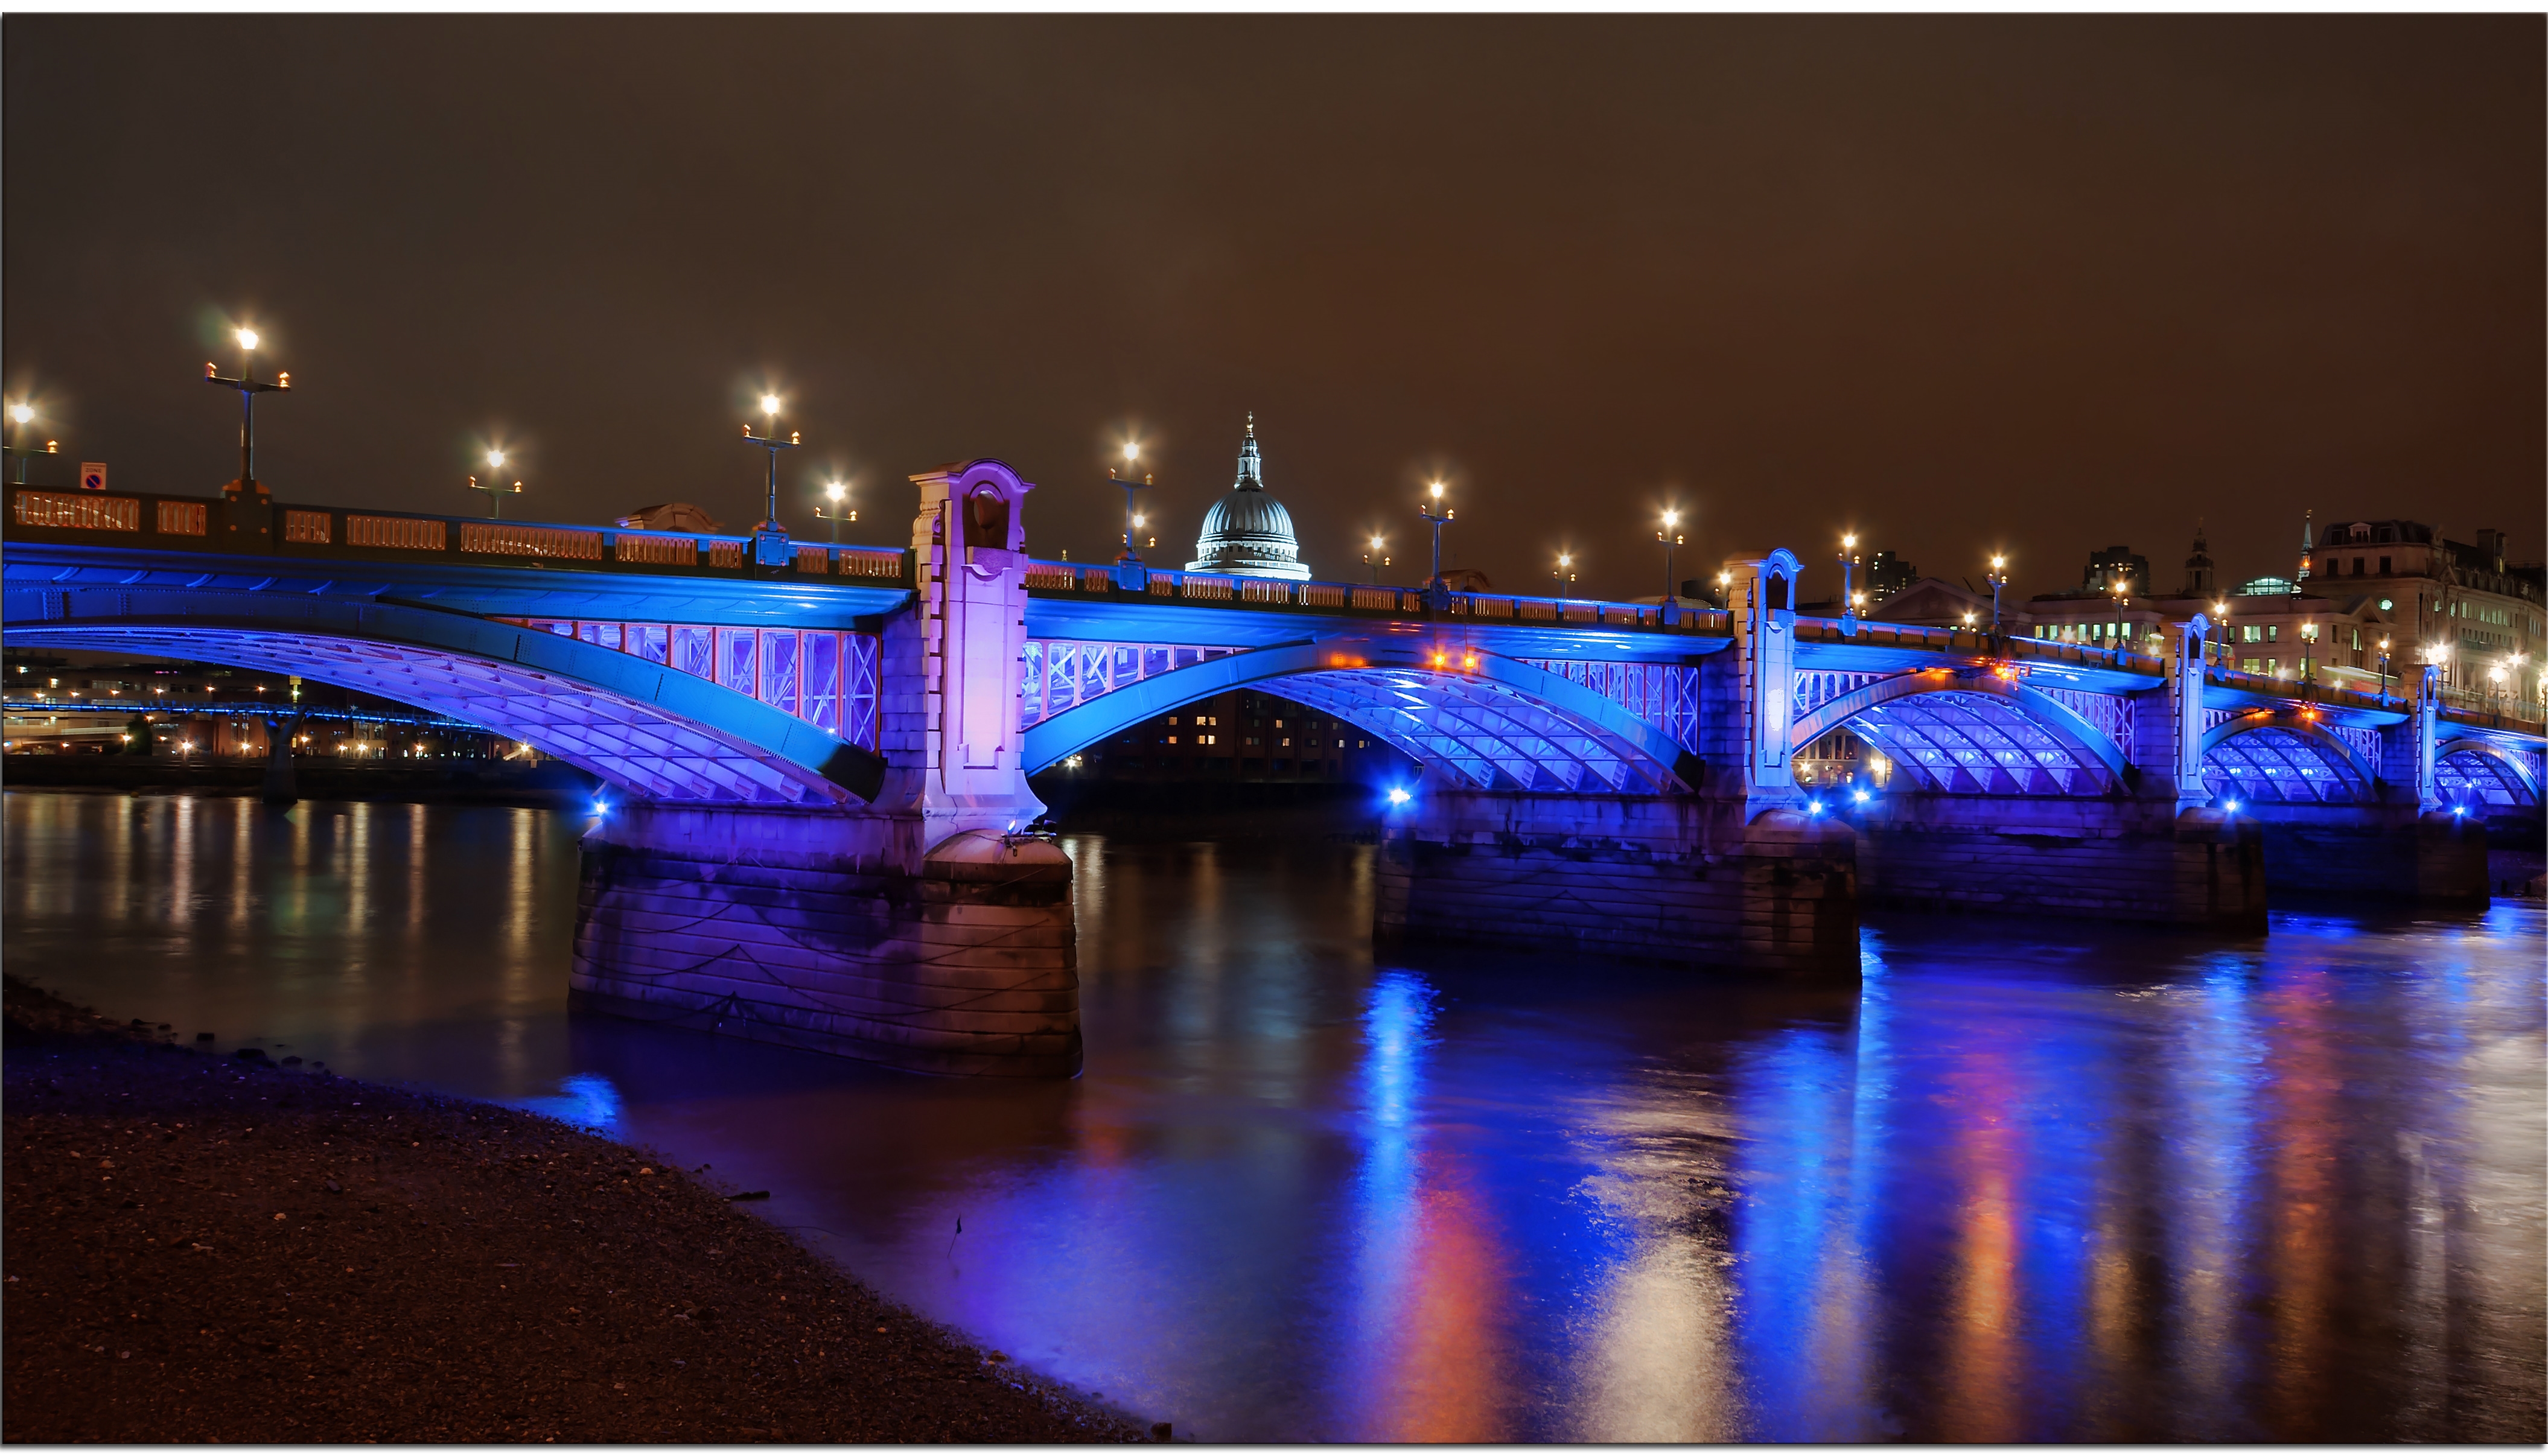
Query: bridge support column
[
  {"x": 1683, "y": 878},
  {"x": 925, "y": 930},
  {"x": 2111, "y": 858}
]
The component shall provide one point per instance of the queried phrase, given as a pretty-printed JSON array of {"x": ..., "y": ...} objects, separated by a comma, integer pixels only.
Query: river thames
[{"x": 2031, "y": 1181}]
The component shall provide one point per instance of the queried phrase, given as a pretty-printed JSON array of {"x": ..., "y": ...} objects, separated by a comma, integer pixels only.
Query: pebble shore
[{"x": 214, "y": 1249}]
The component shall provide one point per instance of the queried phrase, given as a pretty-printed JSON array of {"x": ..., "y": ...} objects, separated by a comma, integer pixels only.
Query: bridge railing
[
  {"x": 1361, "y": 600},
  {"x": 210, "y": 523}
]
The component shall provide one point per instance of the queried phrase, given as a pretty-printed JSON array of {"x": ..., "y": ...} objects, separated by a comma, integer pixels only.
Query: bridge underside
[{"x": 638, "y": 748}]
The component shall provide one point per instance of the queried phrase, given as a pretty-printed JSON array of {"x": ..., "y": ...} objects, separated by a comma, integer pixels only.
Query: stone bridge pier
[
  {"x": 1730, "y": 867},
  {"x": 921, "y": 929}
]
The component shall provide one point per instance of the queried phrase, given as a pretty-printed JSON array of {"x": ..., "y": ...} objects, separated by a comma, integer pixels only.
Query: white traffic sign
[{"x": 93, "y": 474}]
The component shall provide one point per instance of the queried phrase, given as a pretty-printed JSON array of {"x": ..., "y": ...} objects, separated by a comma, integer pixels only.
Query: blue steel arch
[
  {"x": 2086, "y": 745},
  {"x": 1494, "y": 721},
  {"x": 2274, "y": 770},
  {"x": 647, "y": 729},
  {"x": 2507, "y": 771}
]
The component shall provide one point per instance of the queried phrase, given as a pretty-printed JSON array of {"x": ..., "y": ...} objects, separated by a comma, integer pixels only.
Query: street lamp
[
  {"x": 2123, "y": 586},
  {"x": 1372, "y": 557},
  {"x": 834, "y": 492},
  {"x": 769, "y": 538},
  {"x": 495, "y": 490},
  {"x": 1436, "y": 587},
  {"x": 249, "y": 389},
  {"x": 1564, "y": 571},
  {"x": 2384, "y": 672},
  {"x": 1670, "y": 536},
  {"x": 2221, "y": 620},
  {"x": 2309, "y": 652},
  {"x": 21, "y": 415},
  {"x": 1998, "y": 577},
  {"x": 1849, "y": 562},
  {"x": 1131, "y": 518}
]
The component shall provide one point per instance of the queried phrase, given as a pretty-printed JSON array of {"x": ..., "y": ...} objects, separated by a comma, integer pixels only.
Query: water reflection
[{"x": 2030, "y": 1183}]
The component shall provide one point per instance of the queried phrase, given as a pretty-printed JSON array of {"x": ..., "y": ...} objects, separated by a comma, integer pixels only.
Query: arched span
[
  {"x": 649, "y": 730},
  {"x": 2284, "y": 757},
  {"x": 2474, "y": 772},
  {"x": 1492, "y": 722},
  {"x": 1977, "y": 734}
]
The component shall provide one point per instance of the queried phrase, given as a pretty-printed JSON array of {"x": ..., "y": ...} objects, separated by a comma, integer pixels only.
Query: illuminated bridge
[{"x": 817, "y": 756}]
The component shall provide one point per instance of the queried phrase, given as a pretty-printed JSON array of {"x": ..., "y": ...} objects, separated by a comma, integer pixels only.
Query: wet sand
[{"x": 210, "y": 1248}]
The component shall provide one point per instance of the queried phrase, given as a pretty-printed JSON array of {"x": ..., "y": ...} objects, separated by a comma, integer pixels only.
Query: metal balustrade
[{"x": 208, "y": 523}]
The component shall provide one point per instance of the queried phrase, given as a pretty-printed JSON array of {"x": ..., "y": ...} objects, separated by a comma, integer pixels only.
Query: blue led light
[
  {"x": 1859, "y": 795},
  {"x": 1814, "y": 807},
  {"x": 1397, "y": 797},
  {"x": 2230, "y": 806}
]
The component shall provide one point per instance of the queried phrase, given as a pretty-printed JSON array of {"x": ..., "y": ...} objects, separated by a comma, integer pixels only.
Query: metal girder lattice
[
  {"x": 1663, "y": 695},
  {"x": 2110, "y": 715},
  {"x": 1482, "y": 731},
  {"x": 1976, "y": 742},
  {"x": 2278, "y": 766},
  {"x": 1058, "y": 675},
  {"x": 634, "y": 747}
]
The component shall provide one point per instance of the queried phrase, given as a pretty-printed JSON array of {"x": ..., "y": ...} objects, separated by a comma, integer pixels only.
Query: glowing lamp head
[
  {"x": 1397, "y": 797},
  {"x": 1849, "y": 541},
  {"x": 22, "y": 413},
  {"x": 1998, "y": 561},
  {"x": 1437, "y": 490},
  {"x": 247, "y": 338},
  {"x": 770, "y": 405},
  {"x": 495, "y": 459},
  {"x": 1132, "y": 451},
  {"x": 1139, "y": 521},
  {"x": 836, "y": 492},
  {"x": 1672, "y": 518},
  {"x": 1375, "y": 543}
]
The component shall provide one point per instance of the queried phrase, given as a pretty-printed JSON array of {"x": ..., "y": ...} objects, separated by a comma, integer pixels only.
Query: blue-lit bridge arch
[
  {"x": 646, "y": 730},
  {"x": 2487, "y": 778},
  {"x": 1970, "y": 732},
  {"x": 1489, "y": 721},
  {"x": 2289, "y": 757}
]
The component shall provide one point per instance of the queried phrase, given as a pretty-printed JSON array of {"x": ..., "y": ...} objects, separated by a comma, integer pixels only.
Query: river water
[{"x": 2033, "y": 1181}]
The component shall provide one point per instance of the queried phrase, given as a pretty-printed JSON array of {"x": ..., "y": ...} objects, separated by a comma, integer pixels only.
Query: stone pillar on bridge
[
  {"x": 1763, "y": 611},
  {"x": 924, "y": 930},
  {"x": 2406, "y": 749},
  {"x": 2167, "y": 725}
]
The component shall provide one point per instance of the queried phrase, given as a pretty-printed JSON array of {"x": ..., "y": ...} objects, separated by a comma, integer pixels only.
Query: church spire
[{"x": 1251, "y": 467}]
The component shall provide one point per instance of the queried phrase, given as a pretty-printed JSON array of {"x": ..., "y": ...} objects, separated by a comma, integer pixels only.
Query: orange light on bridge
[{"x": 1468, "y": 663}]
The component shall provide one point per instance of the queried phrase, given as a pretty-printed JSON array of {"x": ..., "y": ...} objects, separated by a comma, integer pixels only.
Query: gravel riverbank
[{"x": 209, "y": 1248}]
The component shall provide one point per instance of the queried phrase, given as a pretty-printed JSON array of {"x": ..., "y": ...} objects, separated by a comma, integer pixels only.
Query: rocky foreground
[{"x": 207, "y": 1249}]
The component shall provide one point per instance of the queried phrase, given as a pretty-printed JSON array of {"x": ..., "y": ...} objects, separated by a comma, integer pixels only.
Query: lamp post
[
  {"x": 1672, "y": 537},
  {"x": 1849, "y": 564},
  {"x": 1564, "y": 574},
  {"x": 2123, "y": 586},
  {"x": 2384, "y": 672},
  {"x": 834, "y": 492},
  {"x": 1131, "y": 516},
  {"x": 21, "y": 414},
  {"x": 1435, "y": 587},
  {"x": 2221, "y": 620},
  {"x": 494, "y": 488},
  {"x": 249, "y": 389},
  {"x": 769, "y": 538},
  {"x": 1372, "y": 557},
  {"x": 2308, "y": 653},
  {"x": 1998, "y": 577}
]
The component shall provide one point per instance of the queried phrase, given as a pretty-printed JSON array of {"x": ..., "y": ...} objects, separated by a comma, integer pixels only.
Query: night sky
[{"x": 2041, "y": 284}]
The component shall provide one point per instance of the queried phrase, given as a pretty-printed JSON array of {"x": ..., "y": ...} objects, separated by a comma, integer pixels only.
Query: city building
[
  {"x": 1935, "y": 601},
  {"x": 1238, "y": 737},
  {"x": 2483, "y": 618},
  {"x": 1248, "y": 533},
  {"x": 1886, "y": 574}
]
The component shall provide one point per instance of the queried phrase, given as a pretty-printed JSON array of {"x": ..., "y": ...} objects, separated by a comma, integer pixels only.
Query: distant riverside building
[
  {"x": 2357, "y": 584},
  {"x": 1935, "y": 601},
  {"x": 1240, "y": 736},
  {"x": 1248, "y": 533},
  {"x": 1887, "y": 574}
]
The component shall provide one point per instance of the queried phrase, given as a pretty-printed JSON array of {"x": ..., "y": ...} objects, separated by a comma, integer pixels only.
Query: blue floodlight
[
  {"x": 1859, "y": 795},
  {"x": 1814, "y": 807},
  {"x": 601, "y": 806},
  {"x": 1397, "y": 797},
  {"x": 2230, "y": 806}
]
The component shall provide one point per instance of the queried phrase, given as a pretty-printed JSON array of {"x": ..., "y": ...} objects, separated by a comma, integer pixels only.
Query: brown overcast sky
[{"x": 2045, "y": 284}]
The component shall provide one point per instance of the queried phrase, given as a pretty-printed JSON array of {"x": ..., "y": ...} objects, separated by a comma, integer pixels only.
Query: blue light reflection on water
[{"x": 2027, "y": 1182}]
